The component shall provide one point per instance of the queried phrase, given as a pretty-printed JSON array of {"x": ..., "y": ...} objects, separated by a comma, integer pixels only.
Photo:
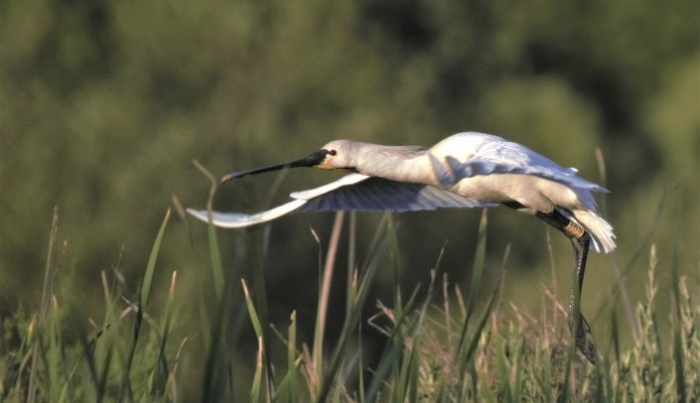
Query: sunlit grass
[{"x": 445, "y": 346}]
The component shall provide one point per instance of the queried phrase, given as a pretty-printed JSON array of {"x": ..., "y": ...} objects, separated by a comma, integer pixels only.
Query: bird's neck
[{"x": 399, "y": 168}]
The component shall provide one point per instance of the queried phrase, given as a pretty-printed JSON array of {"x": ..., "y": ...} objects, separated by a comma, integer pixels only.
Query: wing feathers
[
  {"x": 377, "y": 194},
  {"x": 495, "y": 155},
  {"x": 237, "y": 220},
  {"x": 352, "y": 192}
]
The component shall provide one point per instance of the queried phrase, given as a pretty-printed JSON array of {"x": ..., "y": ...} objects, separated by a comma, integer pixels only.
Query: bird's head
[
  {"x": 339, "y": 156},
  {"x": 335, "y": 155}
]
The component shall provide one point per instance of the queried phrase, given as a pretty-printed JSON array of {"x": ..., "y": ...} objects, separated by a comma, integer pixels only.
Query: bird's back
[
  {"x": 480, "y": 147},
  {"x": 489, "y": 168}
]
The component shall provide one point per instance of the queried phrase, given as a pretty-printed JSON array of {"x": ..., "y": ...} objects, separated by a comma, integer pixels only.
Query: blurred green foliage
[{"x": 104, "y": 104}]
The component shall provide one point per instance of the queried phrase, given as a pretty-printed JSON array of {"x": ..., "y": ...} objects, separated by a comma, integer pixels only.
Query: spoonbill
[{"x": 464, "y": 170}]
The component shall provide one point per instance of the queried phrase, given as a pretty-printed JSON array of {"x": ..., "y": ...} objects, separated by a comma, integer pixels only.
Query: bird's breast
[{"x": 535, "y": 193}]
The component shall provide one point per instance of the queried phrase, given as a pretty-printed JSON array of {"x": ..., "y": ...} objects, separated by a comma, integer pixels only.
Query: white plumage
[{"x": 464, "y": 170}]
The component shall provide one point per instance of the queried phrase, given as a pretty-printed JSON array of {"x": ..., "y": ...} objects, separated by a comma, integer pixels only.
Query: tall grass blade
[
  {"x": 54, "y": 356},
  {"x": 151, "y": 266},
  {"x": 566, "y": 382},
  {"x": 391, "y": 354},
  {"x": 349, "y": 327},
  {"x": 256, "y": 388},
  {"x": 546, "y": 384},
  {"x": 218, "y": 329},
  {"x": 140, "y": 307},
  {"x": 217, "y": 362},
  {"x": 225, "y": 332},
  {"x": 465, "y": 355},
  {"x": 285, "y": 386},
  {"x": 475, "y": 286},
  {"x": 46, "y": 292},
  {"x": 252, "y": 312},
  {"x": 214, "y": 252},
  {"x": 292, "y": 376},
  {"x": 352, "y": 245},
  {"x": 205, "y": 326},
  {"x": 404, "y": 386},
  {"x": 360, "y": 367},
  {"x": 159, "y": 382},
  {"x": 324, "y": 296},
  {"x": 394, "y": 256},
  {"x": 409, "y": 378},
  {"x": 516, "y": 369},
  {"x": 103, "y": 351},
  {"x": 259, "y": 284},
  {"x": 615, "y": 336},
  {"x": 678, "y": 356}
]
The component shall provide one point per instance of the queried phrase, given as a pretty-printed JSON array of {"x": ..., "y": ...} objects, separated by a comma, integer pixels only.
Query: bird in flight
[{"x": 464, "y": 170}]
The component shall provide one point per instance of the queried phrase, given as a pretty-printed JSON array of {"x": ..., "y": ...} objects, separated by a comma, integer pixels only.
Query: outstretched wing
[
  {"x": 378, "y": 194},
  {"x": 354, "y": 192},
  {"x": 238, "y": 220},
  {"x": 499, "y": 156}
]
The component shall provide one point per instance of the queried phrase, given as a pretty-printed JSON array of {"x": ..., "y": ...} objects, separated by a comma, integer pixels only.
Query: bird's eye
[{"x": 332, "y": 152}]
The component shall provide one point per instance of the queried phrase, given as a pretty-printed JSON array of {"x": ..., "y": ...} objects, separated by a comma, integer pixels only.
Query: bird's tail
[{"x": 601, "y": 231}]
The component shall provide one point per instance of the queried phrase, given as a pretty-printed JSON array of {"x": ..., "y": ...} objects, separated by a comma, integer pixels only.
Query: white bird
[{"x": 464, "y": 170}]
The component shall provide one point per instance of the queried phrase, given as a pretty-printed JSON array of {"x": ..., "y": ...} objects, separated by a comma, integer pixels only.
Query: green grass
[{"x": 445, "y": 346}]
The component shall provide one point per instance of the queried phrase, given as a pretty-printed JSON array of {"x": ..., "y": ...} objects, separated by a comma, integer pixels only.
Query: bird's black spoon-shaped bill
[{"x": 311, "y": 160}]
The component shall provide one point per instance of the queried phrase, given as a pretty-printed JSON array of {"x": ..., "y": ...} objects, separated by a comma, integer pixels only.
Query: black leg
[
  {"x": 577, "y": 322},
  {"x": 580, "y": 240}
]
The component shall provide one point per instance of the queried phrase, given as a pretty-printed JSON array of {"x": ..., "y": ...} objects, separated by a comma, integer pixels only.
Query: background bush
[{"x": 104, "y": 105}]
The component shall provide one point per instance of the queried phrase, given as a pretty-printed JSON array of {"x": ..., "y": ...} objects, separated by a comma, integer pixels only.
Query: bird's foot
[{"x": 582, "y": 334}]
